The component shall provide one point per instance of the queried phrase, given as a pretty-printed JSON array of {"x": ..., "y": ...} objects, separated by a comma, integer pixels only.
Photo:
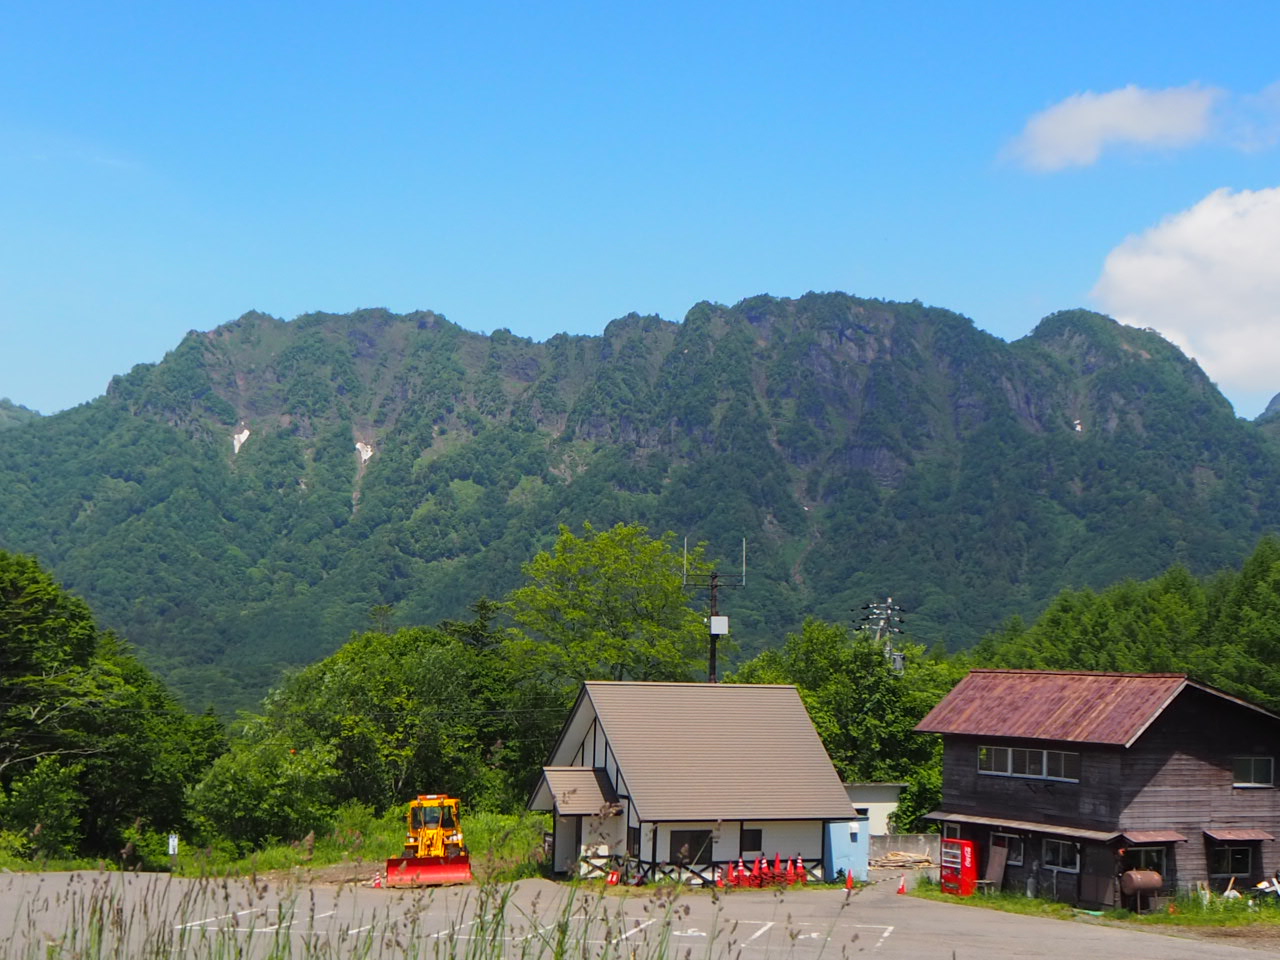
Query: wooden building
[
  {"x": 677, "y": 780},
  {"x": 1083, "y": 776}
]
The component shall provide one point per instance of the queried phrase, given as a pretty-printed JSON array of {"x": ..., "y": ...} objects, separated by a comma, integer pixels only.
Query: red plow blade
[{"x": 427, "y": 871}]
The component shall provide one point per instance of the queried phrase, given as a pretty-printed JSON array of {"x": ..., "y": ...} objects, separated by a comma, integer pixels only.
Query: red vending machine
[{"x": 959, "y": 873}]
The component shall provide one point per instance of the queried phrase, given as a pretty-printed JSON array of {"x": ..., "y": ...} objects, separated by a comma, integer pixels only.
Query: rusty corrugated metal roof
[
  {"x": 1103, "y": 708},
  {"x": 582, "y": 791},
  {"x": 716, "y": 751},
  {"x": 1154, "y": 836},
  {"x": 1237, "y": 833}
]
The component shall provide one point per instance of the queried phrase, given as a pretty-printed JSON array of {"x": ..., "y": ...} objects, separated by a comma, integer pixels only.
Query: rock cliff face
[{"x": 243, "y": 504}]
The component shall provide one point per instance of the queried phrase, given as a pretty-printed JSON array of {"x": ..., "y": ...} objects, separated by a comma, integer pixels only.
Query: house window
[
  {"x": 1145, "y": 858},
  {"x": 1028, "y": 762},
  {"x": 951, "y": 831},
  {"x": 1225, "y": 861},
  {"x": 690, "y": 846},
  {"x": 1252, "y": 772},
  {"x": 752, "y": 840},
  {"x": 1012, "y": 843},
  {"x": 1061, "y": 855},
  {"x": 633, "y": 841}
]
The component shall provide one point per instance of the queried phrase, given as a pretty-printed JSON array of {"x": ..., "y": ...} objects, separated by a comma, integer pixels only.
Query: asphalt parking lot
[{"x": 52, "y": 915}]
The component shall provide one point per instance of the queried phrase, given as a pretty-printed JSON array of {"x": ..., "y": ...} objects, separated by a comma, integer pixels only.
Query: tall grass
[{"x": 113, "y": 916}]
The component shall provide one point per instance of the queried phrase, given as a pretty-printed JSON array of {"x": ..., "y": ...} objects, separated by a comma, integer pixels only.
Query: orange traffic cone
[
  {"x": 791, "y": 873},
  {"x": 719, "y": 877},
  {"x": 848, "y": 879},
  {"x": 377, "y": 879},
  {"x": 755, "y": 873},
  {"x": 800, "y": 870},
  {"x": 777, "y": 864},
  {"x": 744, "y": 878},
  {"x": 902, "y": 884}
]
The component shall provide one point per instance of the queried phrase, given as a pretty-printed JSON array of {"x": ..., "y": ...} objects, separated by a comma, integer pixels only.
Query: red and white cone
[
  {"x": 377, "y": 879},
  {"x": 902, "y": 884},
  {"x": 801, "y": 873}
]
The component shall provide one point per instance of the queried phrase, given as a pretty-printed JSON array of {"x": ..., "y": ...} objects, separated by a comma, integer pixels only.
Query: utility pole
[
  {"x": 883, "y": 617},
  {"x": 717, "y": 626}
]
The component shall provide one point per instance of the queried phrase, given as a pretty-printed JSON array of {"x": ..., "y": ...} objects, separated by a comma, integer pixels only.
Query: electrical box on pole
[{"x": 717, "y": 625}]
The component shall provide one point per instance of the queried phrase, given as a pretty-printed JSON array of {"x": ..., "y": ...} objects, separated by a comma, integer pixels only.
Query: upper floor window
[
  {"x": 1252, "y": 771},
  {"x": 1024, "y": 762}
]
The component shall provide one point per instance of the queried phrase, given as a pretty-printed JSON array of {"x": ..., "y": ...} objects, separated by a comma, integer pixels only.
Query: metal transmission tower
[
  {"x": 717, "y": 626},
  {"x": 882, "y": 616}
]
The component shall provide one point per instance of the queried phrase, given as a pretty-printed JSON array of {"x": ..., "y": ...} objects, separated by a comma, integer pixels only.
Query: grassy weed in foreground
[{"x": 96, "y": 916}]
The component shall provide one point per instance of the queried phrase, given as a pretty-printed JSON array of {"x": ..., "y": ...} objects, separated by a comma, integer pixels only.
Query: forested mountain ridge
[
  {"x": 14, "y": 414},
  {"x": 243, "y": 505}
]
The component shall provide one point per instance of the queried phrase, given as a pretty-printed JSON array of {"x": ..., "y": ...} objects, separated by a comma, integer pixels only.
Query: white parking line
[
  {"x": 225, "y": 916},
  {"x": 763, "y": 930},
  {"x": 883, "y": 937},
  {"x": 636, "y": 929}
]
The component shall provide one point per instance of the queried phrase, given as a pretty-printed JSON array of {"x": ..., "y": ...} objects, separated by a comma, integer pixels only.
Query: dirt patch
[{"x": 1258, "y": 936}]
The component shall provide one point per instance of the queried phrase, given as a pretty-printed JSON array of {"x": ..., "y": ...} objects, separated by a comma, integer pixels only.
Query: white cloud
[
  {"x": 1077, "y": 130},
  {"x": 1206, "y": 279}
]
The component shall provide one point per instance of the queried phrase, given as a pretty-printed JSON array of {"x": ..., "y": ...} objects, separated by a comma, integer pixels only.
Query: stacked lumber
[{"x": 900, "y": 860}]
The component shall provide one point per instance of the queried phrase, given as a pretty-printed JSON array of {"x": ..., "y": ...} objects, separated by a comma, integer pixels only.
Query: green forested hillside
[
  {"x": 14, "y": 414},
  {"x": 244, "y": 505}
]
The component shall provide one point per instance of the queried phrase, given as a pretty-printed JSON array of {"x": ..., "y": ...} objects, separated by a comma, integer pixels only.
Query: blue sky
[{"x": 548, "y": 167}]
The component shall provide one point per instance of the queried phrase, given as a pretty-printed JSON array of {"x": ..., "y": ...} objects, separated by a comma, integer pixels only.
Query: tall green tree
[
  {"x": 91, "y": 745},
  {"x": 611, "y": 605}
]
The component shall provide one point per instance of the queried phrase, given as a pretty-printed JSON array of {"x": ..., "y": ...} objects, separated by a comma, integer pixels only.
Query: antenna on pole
[{"x": 717, "y": 625}]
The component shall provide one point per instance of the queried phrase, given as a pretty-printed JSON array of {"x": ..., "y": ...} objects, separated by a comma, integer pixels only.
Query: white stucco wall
[{"x": 879, "y": 800}]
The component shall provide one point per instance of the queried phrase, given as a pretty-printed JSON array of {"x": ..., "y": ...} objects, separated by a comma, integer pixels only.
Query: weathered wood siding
[
  {"x": 1177, "y": 776},
  {"x": 1094, "y": 802}
]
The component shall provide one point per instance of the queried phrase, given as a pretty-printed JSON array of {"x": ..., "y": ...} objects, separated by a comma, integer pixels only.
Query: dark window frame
[
  {"x": 1028, "y": 763},
  {"x": 1009, "y": 841},
  {"x": 1056, "y": 861},
  {"x": 698, "y": 842},
  {"x": 1252, "y": 772}
]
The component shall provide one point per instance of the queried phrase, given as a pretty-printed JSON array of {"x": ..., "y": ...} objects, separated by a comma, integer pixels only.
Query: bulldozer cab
[{"x": 431, "y": 817}]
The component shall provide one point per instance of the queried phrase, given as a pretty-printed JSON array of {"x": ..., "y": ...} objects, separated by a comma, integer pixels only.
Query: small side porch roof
[{"x": 575, "y": 791}]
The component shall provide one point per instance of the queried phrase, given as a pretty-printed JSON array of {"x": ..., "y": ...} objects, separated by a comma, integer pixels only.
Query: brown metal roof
[
  {"x": 1154, "y": 836},
  {"x": 584, "y": 791},
  {"x": 1080, "y": 833},
  {"x": 1237, "y": 833},
  {"x": 714, "y": 751},
  {"x": 1104, "y": 708}
]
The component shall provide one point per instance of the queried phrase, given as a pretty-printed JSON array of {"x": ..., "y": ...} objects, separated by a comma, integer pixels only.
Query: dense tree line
[{"x": 98, "y": 759}]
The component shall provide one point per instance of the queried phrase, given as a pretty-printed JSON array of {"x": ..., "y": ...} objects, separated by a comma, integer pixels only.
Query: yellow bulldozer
[{"x": 434, "y": 851}]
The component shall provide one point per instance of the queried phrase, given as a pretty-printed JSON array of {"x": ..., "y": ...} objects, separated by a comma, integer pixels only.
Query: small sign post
[{"x": 173, "y": 852}]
